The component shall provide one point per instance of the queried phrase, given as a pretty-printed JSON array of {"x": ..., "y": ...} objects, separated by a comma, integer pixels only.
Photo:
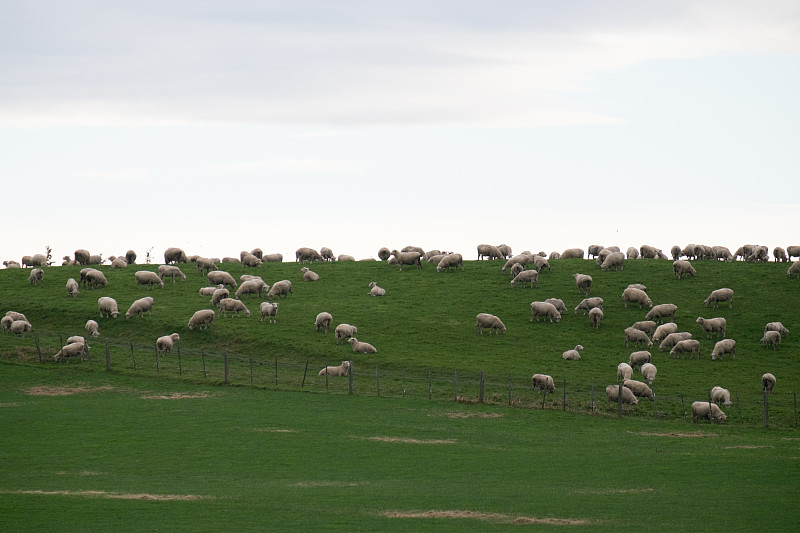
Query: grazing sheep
[
  {"x": 11, "y": 264},
  {"x": 688, "y": 345},
  {"x": 519, "y": 259},
  {"x": 146, "y": 277},
  {"x": 662, "y": 311},
  {"x": 725, "y": 346},
  {"x": 663, "y": 330},
  {"x": 130, "y": 257},
  {"x": 596, "y": 316},
  {"x": 713, "y": 325},
  {"x": 220, "y": 277},
  {"x": 71, "y": 350},
  {"x": 722, "y": 252},
  {"x": 554, "y": 255},
  {"x": 489, "y": 251},
  {"x": 208, "y": 291},
  {"x": 408, "y": 258},
  {"x": 82, "y": 256},
  {"x": 450, "y": 261},
  {"x": 681, "y": 267},
  {"x": 140, "y": 306},
  {"x": 16, "y": 315},
  {"x": 203, "y": 318},
  {"x": 309, "y": 275},
  {"x": 776, "y": 326},
  {"x": 573, "y": 355},
  {"x": 639, "y": 358},
  {"x": 650, "y": 252},
  {"x": 361, "y": 347},
  {"x": 170, "y": 271},
  {"x": 374, "y": 290},
  {"x": 174, "y": 255},
  {"x": 584, "y": 283},
  {"x": 708, "y": 410},
  {"x": 649, "y": 372},
  {"x": 164, "y": 344},
  {"x": 92, "y": 328},
  {"x": 344, "y": 331},
  {"x": 72, "y": 287},
  {"x": 637, "y": 337},
  {"x": 639, "y": 389},
  {"x": 233, "y": 306},
  {"x": 530, "y": 277},
  {"x": 108, "y": 307},
  {"x": 20, "y": 327},
  {"x": 559, "y": 304},
  {"x": 542, "y": 382},
  {"x": 613, "y": 391},
  {"x": 544, "y": 309},
  {"x": 252, "y": 286},
  {"x": 637, "y": 296},
  {"x": 720, "y": 395},
  {"x": 794, "y": 269},
  {"x": 5, "y": 323},
  {"x": 485, "y": 320},
  {"x": 720, "y": 295},
  {"x": 768, "y": 382},
  {"x": 648, "y": 326},
  {"x": 307, "y": 254},
  {"x": 792, "y": 251},
  {"x": 624, "y": 371},
  {"x": 615, "y": 260},
  {"x": 675, "y": 251},
  {"x": 269, "y": 309},
  {"x": 36, "y": 276},
  {"x": 280, "y": 288},
  {"x": 341, "y": 370},
  {"x": 119, "y": 262},
  {"x": 384, "y": 254},
  {"x": 505, "y": 250},
  {"x": 637, "y": 286},
  {"x": 632, "y": 253},
  {"x": 327, "y": 254},
  {"x": 572, "y": 253},
  {"x": 323, "y": 322},
  {"x": 593, "y": 250},
  {"x": 587, "y": 304},
  {"x": 218, "y": 295},
  {"x": 272, "y": 258},
  {"x": 673, "y": 338},
  {"x": 205, "y": 265},
  {"x": 771, "y": 338},
  {"x": 249, "y": 260}
]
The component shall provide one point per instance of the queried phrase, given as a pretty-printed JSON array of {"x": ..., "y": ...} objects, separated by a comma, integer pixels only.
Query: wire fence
[{"x": 748, "y": 407}]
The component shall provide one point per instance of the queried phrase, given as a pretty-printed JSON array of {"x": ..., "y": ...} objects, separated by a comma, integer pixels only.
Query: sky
[{"x": 221, "y": 126}]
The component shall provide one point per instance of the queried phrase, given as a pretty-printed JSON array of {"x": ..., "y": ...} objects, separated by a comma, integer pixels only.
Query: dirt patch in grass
[
  {"x": 9, "y": 404},
  {"x": 487, "y": 517},
  {"x": 461, "y": 414},
  {"x": 274, "y": 430},
  {"x": 746, "y": 447},
  {"x": 177, "y": 396},
  {"x": 689, "y": 435},
  {"x": 47, "y": 390},
  {"x": 314, "y": 484},
  {"x": 112, "y": 495},
  {"x": 408, "y": 441}
]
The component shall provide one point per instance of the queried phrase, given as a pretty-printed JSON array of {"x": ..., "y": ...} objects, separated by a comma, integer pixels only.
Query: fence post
[
  {"x": 739, "y": 407},
  {"x": 619, "y": 399},
  {"x": 38, "y": 348},
  {"x": 304, "y": 375},
  {"x": 156, "y": 350},
  {"x": 766, "y": 409},
  {"x": 430, "y": 384},
  {"x": 108, "y": 358},
  {"x": 180, "y": 363},
  {"x": 544, "y": 396},
  {"x": 133, "y": 357},
  {"x": 591, "y": 405},
  {"x": 509, "y": 389},
  {"x": 326, "y": 376},
  {"x": 276, "y": 370},
  {"x": 225, "y": 358},
  {"x": 480, "y": 394},
  {"x": 655, "y": 407},
  {"x": 564, "y": 406},
  {"x": 377, "y": 380},
  {"x": 350, "y": 391},
  {"x": 250, "y": 356},
  {"x": 683, "y": 407},
  {"x": 455, "y": 386},
  {"x": 404, "y": 381},
  {"x": 203, "y": 357}
]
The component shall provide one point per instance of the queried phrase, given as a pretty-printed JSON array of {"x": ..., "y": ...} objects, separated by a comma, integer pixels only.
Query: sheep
[
  {"x": 20, "y": 327},
  {"x": 519, "y": 259},
  {"x": 639, "y": 286},
  {"x": 587, "y": 304},
  {"x": 119, "y": 262},
  {"x": 593, "y": 250},
  {"x": 760, "y": 254},
  {"x": 92, "y": 328},
  {"x": 344, "y": 331},
  {"x": 108, "y": 307},
  {"x": 269, "y": 309},
  {"x": 208, "y": 291},
  {"x": 11, "y": 264},
  {"x": 722, "y": 252},
  {"x": 681, "y": 267},
  {"x": 613, "y": 391},
  {"x": 450, "y": 261},
  {"x": 341, "y": 370},
  {"x": 249, "y": 277},
  {"x": 530, "y": 277},
  {"x": 675, "y": 251},
  {"x": 720, "y": 295},
  {"x": 596, "y": 316},
  {"x": 649, "y": 372},
  {"x": 220, "y": 277},
  {"x": 708, "y": 410},
  {"x": 82, "y": 256},
  {"x": 545, "y": 309},
  {"x": 687, "y": 345},
  {"x": 140, "y": 306},
  {"x": 639, "y": 358},
  {"x": 721, "y": 395},
  {"x": 673, "y": 338},
  {"x": 272, "y": 258},
  {"x": 233, "y": 306},
  {"x": 572, "y": 355},
  {"x": 280, "y": 288},
  {"x": 171, "y": 271},
  {"x": 309, "y": 275},
  {"x": 713, "y": 325},
  {"x": 638, "y": 296},
  {"x": 249, "y": 260},
  {"x": 614, "y": 260},
  {"x": 345, "y": 257},
  {"x": 637, "y": 337},
  {"x": 146, "y": 277},
  {"x": 374, "y": 290},
  {"x": 776, "y": 326},
  {"x": 205, "y": 265},
  {"x": 648, "y": 326},
  {"x": 663, "y": 330},
  {"x": 624, "y": 371},
  {"x": 95, "y": 278},
  {"x": 361, "y": 347},
  {"x": 662, "y": 311},
  {"x": 203, "y": 318},
  {"x": 554, "y": 255},
  {"x": 164, "y": 344},
  {"x": 505, "y": 250},
  {"x": 304, "y": 254},
  {"x": 323, "y": 322},
  {"x": 71, "y": 350},
  {"x": 36, "y": 276},
  {"x": 252, "y": 286},
  {"x": 485, "y": 320},
  {"x": 408, "y": 258},
  {"x": 794, "y": 269},
  {"x": 543, "y": 382},
  {"x": 174, "y": 256},
  {"x": 384, "y": 254},
  {"x": 650, "y": 252},
  {"x": 417, "y": 249},
  {"x": 768, "y": 382},
  {"x": 130, "y": 257},
  {"x": 771, "y": 338},
  {"x": 583, "y": 282},
  {"x": 489, "y": 251},
  {"x": 559, "y": 305},
  {"x": 632, "y": 253},
  {"x": 5, "y": 323},
  {"x": 218, "y": 295},
  {"x": 639, "y": 389},
  {"x": 725, "y": 346},
  {"x": 16, "y": 315},
  {"x": 72, "y": 287},
  {"x": 572, "y": 253}
]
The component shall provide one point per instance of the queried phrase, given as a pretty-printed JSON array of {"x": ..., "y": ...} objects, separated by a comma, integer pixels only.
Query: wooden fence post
[
  {"x": 326, "y": 376},
  {"x": 203, "y": 357},
  {"x": 377, "y": 380},
  {"x": 350, "y": 391},
  {"x": 509, "y": 389},
  {"x": 404, "y": 382},
  {"x": 455, "y": 386},
  {"x": 591, "y": 405},
  {"x": 430, "y": 384},
  {"x": 766, "y": 409},
  {"x": 133, "y": 357},
  {"x": 180, "y": 362},
  {"x": 565, "y": 395},
  {"x": 303, "y": 384},
  {"x": 739, "y": 407},
  {"x": 683, "y": 407},
  {"x": 38, "y": 348},
  {"x": 156, "y": 350},
  {"x": 108, "y": 358},
  {"x": 225, "y": 359},
  {"x": 480, "y": 394},
  {"x": 250, "y": 356}
]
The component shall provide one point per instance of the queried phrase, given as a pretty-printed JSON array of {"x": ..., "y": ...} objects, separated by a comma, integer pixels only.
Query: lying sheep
[
  {"x": 344, "y": 331},
  {"x": 489, "y": 251},
  {"x": 771, "y": 338},
  {"x": 673, "y": 338},
  {"x": 776, "y": 326},
  {"x": 542, "y": 382},
  {"x": 208, "y": 291},
  {"x": 613, "y": 392},
  {"x": 663, "y": 330},
  {"x": 361, "y": 347},
  {"x": 92, "y": 328},
  {"x": 140, "y": 307},
  {"x": 572, "y": 355},
  {"x": 450, "y": 261},
  {"x": 662, "y": 311},
  {"x": 583, "y": 282},
  {"x": 485, "y": 320},
  {"x": 649, "y": 372},
  {"x": 768, "y": 382},
  {"x": 20, "y": 327},
  {"x": 708, "y": 410},
  {"x": 615, "y": 260},
  {"x": 639, "y": 358},
  {"x": 269, "y": 309},
  {"x": 687, "y": 345},
  {"x": 544, "y": 309},
  {"x": 341, "y": 370},
  {"x": 624, "y": 371},
  {"x": 146, "y": 277},
  {"x": 119, "y": 262},
  {"x": 637, "y": 296},
  {"x": 587, "y": 304},
  {"x": 530, "y": 277},
  {"x": 572, "y": 253},
  {"x": 639, "y": 389},
  {"x": 309, "y": 275},
  {"x": 220, "y": 277},
  {"x": 272, "y": 258},
  {"x": 323, "y": 321},
  {"x": 233, "y": 306},
  {"x": 559, "y": 304},
  {"x": 720, "y": 395},
  {"x": 74, "y": 349},
  {"x": 280, "y": 288},
  {"x": 36, "y": 276},
  {"x": 374, "y": 290},
  {"x": 794, "y": 269},
  {"x": 725, "y": 346},
  {"x": 218, "y": 295},
  {"x": 164, "y": 344},
  {"x": 252, "y": 286},
  {"x": 648, "y": 326},
  {"x": 108, "y": 307},
  {"x": 720, "y": 295},
  {"x": 713, "y": 325},
  {"x": 637, "y": 337},
  {"x": 203, "y": 318},
  {"x": 681, "y": 267},
  {"x": 345, "y": 257},
  {"x": 11, "y": 264},
  {"x": 72, "y": 287}
]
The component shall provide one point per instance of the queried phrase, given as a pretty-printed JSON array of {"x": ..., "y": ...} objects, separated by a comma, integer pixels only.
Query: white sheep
[
  {"x": 450, "y": 261},
  {"x": 777, "y": 326},
  {"x": 681, "y": 267},
  {"x": 15, "y": 315},
  {"x": 250, "y": 260},
  {"x": 722, "y": 252},
  {"x": 146, "y": 277},
  {"x": 572, "y": 253},
  {"x": 615, "y": 260},
  {"x": 71, "y": 350},
  {"x": 632, "y": 253},
  {"x": 596, "y": 316},
  {"x": 541, "y": 263},
  {"x": 558, "y": 303},
  {"x": 233, "y": 306},
  {"x": 374, "y": 290},
  {"x": 519, "y": 259},
  {"x": 252, "y": 286},
  {"x": 92, "y": 328},
  {"x": 624, "y": 371},
  {"x": 5, "y": 323},
  {"x": 587, "y": 304},
  {"x": 489, "y": 251},
  {"x": 341, "y": 370},
  {"x": 650, "y": 252},
  {"x": 768, "y": 382},
  {"x": 721, "y": 395},
  {"x": 662, "y": 311},
  {"x": 345, "y": 257},
  {"x": 72, "y": 287},
  {"x": 205, "y": 265},
  {"x": 794, "y": 269},
  {"x": 220, "y": 277},
  {"x": 344, "y": 331},
  {"x": 613, "y": 391},
  {"x": 361, "y": 347},
  {"x": 11, "y": 264},
  {"x": 119, "y": 262},
  {"x": 720, "y": 295},
  {"x": 530, "y": 277},
  {"x": 203, "y": 318},
  {"x": 384, "y": 254},
  {"x": 108, "y": 307},
  {"x": 543, "y": 382},
  {"x": 544, "y": 309},
  {"x": 280, "y": 288},
  {"x": 573, "y": 355},
  {"x": 687, "y": 345},
  {"x": 725, "y": 346},
  {"x": 583, "y": 282},
  {"x": 486, "y": 320},
  {"x": 164, "y": 344},
  {"x": 663, "y": 330},
  {"x": 505, "y": 250},
  {"x": 269, "y": 309},
  {"x": 309, "y": 275},
  {"x": 708, "y": 410},
  {"x": 637, "y": 296},
  {"x": 792, "y": 251},
  {"x": 637, "y": 337},
  {"x": 639, "y": 358},
  {"x": 649, "y": 372},
  {"x": 20, "y": 327},
  {"x": 638, "y": 286},
  {"x": 639, "y": 389},
  {"x": 36, "y": 276},
  {"x": 554, "y": 255},
  {"x": 175, "y": 255},
  {"x": 771, "y": 338},
  {"x": 307, "y": 254},
  {"x": 140, "y": 306},
  {"x": 648, "y": 326},
  {"x": 323, "y": 321},
  {"x": 716, "y": 325},
  {"x": 170, "y": 271},
  {"x": 208, "y": 291},
  {"x": 673, "y": 338},
  {"x": 218, "y": 295},
  {"x": 408, "y": 258}
]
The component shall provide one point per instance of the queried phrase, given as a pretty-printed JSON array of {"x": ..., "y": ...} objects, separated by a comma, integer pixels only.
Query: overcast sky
[{"x": 224, "y": 126}]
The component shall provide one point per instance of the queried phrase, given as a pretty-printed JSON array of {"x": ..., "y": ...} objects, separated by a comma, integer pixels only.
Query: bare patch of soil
[
  {"x": 409, "y": 441},
  {"x": 112, "y": 495},
  {"x": 691, "y": 434},
  {"x": 177, "y": 396},
  {"x": 47, "y": 390},
  {"x": 487, "y": 517}
]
